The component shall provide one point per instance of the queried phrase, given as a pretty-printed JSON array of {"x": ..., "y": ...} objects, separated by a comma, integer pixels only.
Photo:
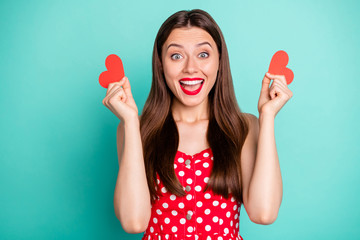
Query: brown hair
[{"x": 227, "y": 127}]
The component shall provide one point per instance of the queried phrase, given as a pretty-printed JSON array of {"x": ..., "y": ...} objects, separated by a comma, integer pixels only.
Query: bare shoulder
[
  {"x": 252, "y": 120},
  {"x": 252, "y": 137}
]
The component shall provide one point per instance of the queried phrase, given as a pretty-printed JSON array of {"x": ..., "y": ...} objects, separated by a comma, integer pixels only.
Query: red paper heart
[
  {"x": 114, "y": 73},
  {"x": 278, "y": 66}
]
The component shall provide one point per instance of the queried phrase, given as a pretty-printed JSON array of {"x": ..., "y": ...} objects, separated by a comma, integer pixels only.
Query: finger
[
  {"x": 122, "y": 95},
  {"x": 284, "y": 87},
  {"x": 114, "y": 88},
  {"x": 127, "y": 87},
  {"x": 111, "y": 89},
  {"x": 279, "y": 84},
  {"x": 111, "y": 85},
  {"x": 117, "y": 95},
  {"x": 280, "y": 77},
  {"x": 277, "y": 90},
  {"x": 122, "y": 81},
  {"x": 274, "y": 91},
  {"x": 265, "y": 83}
]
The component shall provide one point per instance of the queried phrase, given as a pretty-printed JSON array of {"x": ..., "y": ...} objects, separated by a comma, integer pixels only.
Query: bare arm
[
  {"x": 261, "y": 172},
  {"x": 262, "y": 182},
  {"x": 131, "y": 198}
]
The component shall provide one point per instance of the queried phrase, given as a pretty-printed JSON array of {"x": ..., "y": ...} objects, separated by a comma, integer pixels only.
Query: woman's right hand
[{"x": 120, "y": 101}]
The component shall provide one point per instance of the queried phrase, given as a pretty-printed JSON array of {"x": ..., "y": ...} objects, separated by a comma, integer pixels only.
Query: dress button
[
  {"x": 188, "y": 216},
  {"x": 187, "y": 162},
  {"x": 188, "y": 188}
]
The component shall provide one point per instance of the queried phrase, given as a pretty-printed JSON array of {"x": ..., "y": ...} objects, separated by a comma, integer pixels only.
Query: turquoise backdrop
[{"x": 58, "y": 141}]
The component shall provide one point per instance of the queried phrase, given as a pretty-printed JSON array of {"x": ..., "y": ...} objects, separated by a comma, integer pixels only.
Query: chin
[{"x": 192, "y": 102}]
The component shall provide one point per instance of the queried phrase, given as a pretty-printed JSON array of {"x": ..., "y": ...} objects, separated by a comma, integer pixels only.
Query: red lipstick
[
  {"x": 188, "y": 92},
  {"x": 191, "y": 79}
]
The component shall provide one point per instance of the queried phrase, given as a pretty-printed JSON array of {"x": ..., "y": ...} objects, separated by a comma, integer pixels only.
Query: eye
[
  {"x": 204, "y": 54},
  {"x": 176, "y": 56}
]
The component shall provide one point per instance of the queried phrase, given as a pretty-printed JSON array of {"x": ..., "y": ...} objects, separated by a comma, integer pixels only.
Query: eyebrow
[{"x": 180, "y": 46}]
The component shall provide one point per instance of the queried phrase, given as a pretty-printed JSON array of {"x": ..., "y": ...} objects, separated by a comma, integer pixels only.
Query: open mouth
[{"x": 192, "y": 87}]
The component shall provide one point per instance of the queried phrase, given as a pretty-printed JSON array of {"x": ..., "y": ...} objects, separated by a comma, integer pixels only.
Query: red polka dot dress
[{"x": 198, "y": 215}]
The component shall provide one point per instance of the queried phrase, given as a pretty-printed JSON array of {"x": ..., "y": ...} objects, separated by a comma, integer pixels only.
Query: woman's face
[{"x": 190, "y": 61}]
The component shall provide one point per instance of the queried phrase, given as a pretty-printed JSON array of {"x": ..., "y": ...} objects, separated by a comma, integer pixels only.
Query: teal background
[{"x": 58, "y": 141}]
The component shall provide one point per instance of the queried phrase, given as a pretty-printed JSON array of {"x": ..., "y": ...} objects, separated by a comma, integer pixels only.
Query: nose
[{"x": 190, "y": 65}]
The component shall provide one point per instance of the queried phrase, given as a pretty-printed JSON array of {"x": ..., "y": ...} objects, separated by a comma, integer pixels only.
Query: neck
[{"x": 182, "y": 113}]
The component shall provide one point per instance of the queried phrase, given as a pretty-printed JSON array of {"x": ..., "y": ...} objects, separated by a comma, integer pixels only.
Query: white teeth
[{"x": 191, "y": 82}]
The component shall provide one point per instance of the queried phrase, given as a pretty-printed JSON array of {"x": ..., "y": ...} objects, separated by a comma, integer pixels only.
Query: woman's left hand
[{"x": 274, "y": 98}]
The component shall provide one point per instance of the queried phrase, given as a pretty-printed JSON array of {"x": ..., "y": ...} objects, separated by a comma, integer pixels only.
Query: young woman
[{"x": 192, "y": 159}]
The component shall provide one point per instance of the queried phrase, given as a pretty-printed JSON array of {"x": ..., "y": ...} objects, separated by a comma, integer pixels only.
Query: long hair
[{"x": 227, "y": 127}]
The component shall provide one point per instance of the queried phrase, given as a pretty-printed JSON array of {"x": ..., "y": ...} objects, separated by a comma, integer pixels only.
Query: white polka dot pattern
[{"x": 179, "y": 217}]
